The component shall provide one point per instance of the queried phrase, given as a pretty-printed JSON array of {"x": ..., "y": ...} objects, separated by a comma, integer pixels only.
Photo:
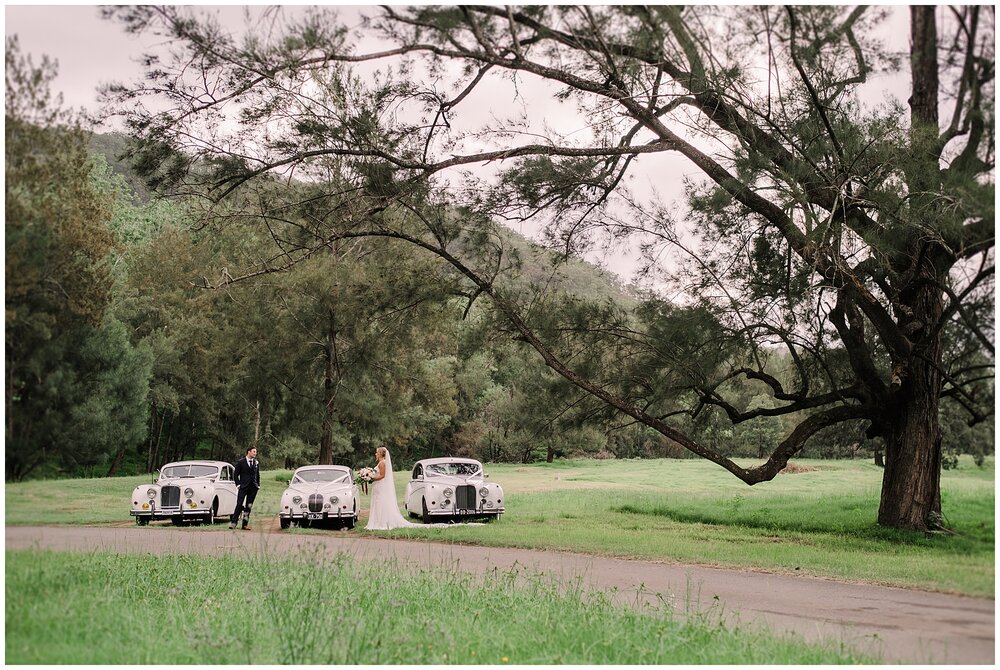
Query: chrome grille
[
  {"x": 465, "y": 497},
  {"x": 315, "y": 503},
  {"x": 170, "y": 496}
]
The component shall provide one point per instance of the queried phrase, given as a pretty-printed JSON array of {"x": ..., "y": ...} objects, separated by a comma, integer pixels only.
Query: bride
[{"x": 384, "y": 513}]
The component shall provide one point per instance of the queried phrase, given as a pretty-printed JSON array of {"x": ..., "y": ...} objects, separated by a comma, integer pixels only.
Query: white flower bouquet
[{"x": 365, "y": 477}]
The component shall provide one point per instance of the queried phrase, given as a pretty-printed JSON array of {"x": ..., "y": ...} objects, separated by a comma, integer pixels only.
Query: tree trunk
[
  {"x": 168, "y": 453},
  {"x": 550, "y": 455},
  {"x": 256, "y": 424},
  {"x": 113, "y": 470},
  {"x": 154, "y": 451},
  {"x": 911, "y": 483},
  {"x": 329, "y": 396}
]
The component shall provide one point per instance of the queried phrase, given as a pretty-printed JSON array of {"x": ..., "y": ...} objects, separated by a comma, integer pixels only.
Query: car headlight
[
  {"x": 189, "y": 492},
  {"x": 334, "y": 500},
  {"x": 448, "y": 492},
  {"x": 296, "y": 499},
  {"x": 151, "y": 493},
  {"x": 483, "y": 492}
]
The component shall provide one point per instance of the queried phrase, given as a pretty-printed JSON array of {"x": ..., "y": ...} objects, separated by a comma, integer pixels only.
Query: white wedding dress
[{"x": 384, "y": 513}]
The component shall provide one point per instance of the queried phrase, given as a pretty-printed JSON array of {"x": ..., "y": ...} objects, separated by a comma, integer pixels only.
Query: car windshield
[
  {"x": 189, "y": 470},
  {"x": 454, "y": 469},
  {"x": 322, "y": 476}
]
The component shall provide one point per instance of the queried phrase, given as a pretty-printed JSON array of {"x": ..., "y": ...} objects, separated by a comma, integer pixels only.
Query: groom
[{"x": 247, "y": 477}]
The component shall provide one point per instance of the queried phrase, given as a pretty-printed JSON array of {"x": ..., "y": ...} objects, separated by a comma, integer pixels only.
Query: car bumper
[
  {"x": 318, "y": 516},
  {"x": 488, "y": 511},
  {"x": 167, "y": 513}
]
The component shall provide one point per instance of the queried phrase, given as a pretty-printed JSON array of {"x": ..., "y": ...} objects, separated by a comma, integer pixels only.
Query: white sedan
[
  {"x": 186, "y": 491},
  {"x": 452, "y": 487},
  {"x": 319, "y": 494}
]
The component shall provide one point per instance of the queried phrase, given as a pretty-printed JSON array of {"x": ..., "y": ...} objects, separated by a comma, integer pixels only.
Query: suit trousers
[{"x": 244, "y": 502}]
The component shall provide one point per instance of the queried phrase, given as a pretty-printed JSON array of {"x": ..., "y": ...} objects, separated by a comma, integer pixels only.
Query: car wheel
[
  {"x": 177, "y": 520},
  {"x": 214, "y": 512},
  {"x": 142, "y": 520},
  {"x": 425, "y": 517},
  {"x": 285, "y": 523}
]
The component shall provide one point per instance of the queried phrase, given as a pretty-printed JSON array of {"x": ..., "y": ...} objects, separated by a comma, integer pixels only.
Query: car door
[
  {"x": 415, "y": 489},
  {"x": 225, "y": 490}
]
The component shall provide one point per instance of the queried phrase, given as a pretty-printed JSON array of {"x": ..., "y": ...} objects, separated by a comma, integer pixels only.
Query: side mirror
[{"x": 156, "y": 475}]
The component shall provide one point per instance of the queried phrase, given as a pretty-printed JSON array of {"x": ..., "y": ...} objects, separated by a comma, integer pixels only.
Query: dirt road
[{"x": 901, "y": 625}]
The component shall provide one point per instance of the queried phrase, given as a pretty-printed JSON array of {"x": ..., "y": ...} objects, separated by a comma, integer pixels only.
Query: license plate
[{"x": 314, "y": 516}]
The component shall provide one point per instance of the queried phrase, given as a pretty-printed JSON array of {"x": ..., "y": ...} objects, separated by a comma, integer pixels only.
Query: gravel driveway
[{"x": 901, "y": 625}]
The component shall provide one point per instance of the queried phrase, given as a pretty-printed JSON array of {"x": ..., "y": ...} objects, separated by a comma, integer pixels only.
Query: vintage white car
[
  {"x": 452, "y": 487},
  {"x": 319, "y": 494},
  {"x": 186, "y": 491}
]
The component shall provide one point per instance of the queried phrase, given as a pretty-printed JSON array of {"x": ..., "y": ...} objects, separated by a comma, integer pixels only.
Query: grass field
[
  {"x": 819, "y": 522},
  {"x": 102, "y": 608}
]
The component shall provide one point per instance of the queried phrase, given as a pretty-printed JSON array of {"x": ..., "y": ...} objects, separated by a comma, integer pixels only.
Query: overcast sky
[
  {"x": 92, "y": 51},
  {"x": 89, "y": 50}
]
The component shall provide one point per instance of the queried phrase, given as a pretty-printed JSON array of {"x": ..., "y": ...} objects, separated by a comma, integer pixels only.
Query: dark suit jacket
[{"x": 246, "y": 477}]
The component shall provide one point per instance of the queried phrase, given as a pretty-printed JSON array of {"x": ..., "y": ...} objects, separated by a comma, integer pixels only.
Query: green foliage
[
  {"x": 112, "y": 409},
  {"x": 76, "y": 384}
]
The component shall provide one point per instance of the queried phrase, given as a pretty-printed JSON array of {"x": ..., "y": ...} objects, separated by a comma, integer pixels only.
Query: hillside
[{"x": 541, "y": 266}]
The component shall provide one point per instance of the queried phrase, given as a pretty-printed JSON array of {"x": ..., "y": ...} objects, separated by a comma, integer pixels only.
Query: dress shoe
[{"x": 232, "y": 526}]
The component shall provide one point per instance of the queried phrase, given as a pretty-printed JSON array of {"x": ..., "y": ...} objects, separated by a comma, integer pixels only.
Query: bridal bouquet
[{"x": 365, "y": 477}]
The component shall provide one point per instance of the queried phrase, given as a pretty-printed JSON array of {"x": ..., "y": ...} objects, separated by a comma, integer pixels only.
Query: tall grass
[
  {"x": 104, "y": 608},
  {"x": 819, "y": 522}
]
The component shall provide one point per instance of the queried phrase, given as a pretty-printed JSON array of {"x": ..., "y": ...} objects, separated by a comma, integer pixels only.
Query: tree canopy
[{"x": 856, "y": 237}]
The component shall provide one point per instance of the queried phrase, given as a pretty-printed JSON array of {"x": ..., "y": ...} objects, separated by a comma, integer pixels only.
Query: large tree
[{"x": 822, "y": 216}]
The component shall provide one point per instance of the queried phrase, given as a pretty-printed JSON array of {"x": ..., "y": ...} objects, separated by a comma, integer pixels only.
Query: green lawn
[
  {"x": 103, "y": 608},
  {"x": 819, "y": 522}
]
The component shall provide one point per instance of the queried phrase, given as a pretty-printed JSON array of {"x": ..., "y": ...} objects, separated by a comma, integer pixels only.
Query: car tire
[
  {"x": 142, "y": 520},
  {"x": 177, "y": 520},
  {"x": 425, "y": 517},
  {"x": 285, "y": 523},
  {"x": 214, "y": 512}
]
